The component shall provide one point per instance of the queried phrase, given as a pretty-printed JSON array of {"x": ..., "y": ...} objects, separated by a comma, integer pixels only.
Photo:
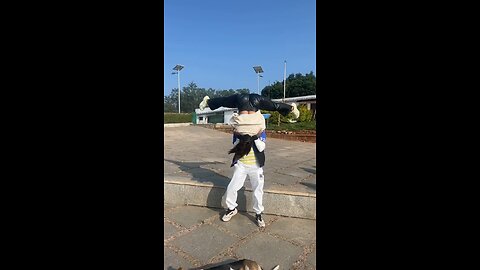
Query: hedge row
[{"x": 177, "y": 118}]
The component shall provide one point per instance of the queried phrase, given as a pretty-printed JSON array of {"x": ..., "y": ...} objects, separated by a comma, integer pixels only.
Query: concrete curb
[
  {"x": 290, "y": 204},
  {"x": 177, "y": 125}
]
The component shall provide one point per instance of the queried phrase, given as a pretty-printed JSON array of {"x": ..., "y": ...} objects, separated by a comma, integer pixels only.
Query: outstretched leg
[
  {"x": 264, "y": 103},
  {"x": 249, "y": 102},
  {"x": 240, "y": 101},
  {"x": 228, "y": 102}
]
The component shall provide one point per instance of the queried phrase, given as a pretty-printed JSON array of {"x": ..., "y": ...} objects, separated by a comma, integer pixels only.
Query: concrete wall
[
  {"x": 290, "y": 204},
  {"x": 176, "y": 125},
  {"x": 227, "y": 115}
]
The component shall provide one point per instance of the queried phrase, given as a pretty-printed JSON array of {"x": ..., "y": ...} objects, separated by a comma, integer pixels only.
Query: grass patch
[
  {"x": 177, "y": 118},
  {"x": 272, "y": 125}
]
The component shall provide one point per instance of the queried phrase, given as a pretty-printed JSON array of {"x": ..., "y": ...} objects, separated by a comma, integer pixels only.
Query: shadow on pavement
[
  {"x": 312, "y": 171},
  {"x": 249, "y": 216},
  {"x": 201, "y": 174},
  {"x": 312, "y": 186},
  {"x": 216, "y": 195},
  {"x": 242, "y": 200},
  {"x": 309, "y": 170}
]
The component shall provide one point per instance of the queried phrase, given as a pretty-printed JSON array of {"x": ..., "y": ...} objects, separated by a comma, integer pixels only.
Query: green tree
[
  {"x": 297, "y": 85},
  {"x": 224, "y": 93},
  {"x": 192, "y": 95},
  {"x": 170, "y": 102},
  {"x": 306, "y": 115}
]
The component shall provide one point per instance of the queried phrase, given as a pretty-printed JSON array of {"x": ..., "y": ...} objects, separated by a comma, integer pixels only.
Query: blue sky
[{"x": 219, "y": 41}]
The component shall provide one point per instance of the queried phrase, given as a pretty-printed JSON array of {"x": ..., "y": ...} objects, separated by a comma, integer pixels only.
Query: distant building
[
  {"x": 223, "y": 115},
  {"x": 310, "y": 101},
  {"x": 220, "y": 115}
]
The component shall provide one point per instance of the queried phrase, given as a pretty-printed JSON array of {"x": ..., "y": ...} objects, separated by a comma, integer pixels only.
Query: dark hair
[{"x": 243, "y": 147}]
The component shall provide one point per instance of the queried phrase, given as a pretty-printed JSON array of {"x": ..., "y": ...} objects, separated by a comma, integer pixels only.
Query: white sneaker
[
  {"x": 260, "y": 221},
  {"x": 229, "y": 214},
  {"x": 204, "y": 103},
  {"x": 295, "y": 111}
]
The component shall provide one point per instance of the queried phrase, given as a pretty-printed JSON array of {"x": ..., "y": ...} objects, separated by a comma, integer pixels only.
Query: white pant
[{"x": 240, "y": 173}]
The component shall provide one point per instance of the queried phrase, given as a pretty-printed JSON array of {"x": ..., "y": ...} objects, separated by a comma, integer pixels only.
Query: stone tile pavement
[{"x": 195, "y": 236}]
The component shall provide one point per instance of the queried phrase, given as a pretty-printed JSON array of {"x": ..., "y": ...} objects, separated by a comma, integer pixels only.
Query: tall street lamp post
[
  {"x": 258, "y": 70},
  {"x": 284, "y": 80},
  {"x": 178, "y": 68}
]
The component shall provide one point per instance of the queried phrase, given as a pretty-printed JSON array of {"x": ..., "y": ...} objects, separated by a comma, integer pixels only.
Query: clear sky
[{"x": 219, "y": 41}]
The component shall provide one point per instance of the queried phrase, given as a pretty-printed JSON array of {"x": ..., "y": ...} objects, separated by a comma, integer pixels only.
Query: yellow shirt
[{"x": 249, "y": 159}]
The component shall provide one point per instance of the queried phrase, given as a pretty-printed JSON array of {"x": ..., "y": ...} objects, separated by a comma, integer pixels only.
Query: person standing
[
  {"x": 248, "y": 160},
  {"x": 249, "y": 139}
]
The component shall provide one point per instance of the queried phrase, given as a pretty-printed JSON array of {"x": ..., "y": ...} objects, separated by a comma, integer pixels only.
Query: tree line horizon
[{"x": 191, "y": 95}]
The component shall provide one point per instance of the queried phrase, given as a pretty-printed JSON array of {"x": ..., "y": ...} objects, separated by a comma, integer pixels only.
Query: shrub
[
  {"x": 274, "y": 117},
  {"x": 311, "y": 125},
  {"x": 177, "y": 118},
  {"x": 306, "y": 115}
]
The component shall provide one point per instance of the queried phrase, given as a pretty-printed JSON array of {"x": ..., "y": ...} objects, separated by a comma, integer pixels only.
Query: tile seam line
[{"x": 265, "y": 191}]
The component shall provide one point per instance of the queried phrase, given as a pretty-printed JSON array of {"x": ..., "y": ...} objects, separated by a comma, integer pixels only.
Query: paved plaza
[
  {"x": 195, "y": 236},
  {"x": 201, "y": 154}
]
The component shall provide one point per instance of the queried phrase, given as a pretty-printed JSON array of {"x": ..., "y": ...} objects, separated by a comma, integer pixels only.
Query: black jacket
[{"x": 249, "y": 102}]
